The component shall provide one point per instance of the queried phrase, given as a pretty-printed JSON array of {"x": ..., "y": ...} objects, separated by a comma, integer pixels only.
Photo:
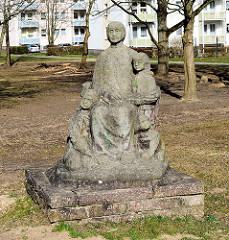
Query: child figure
[
  {"x": 144, "y": 83},
  {"x": 145, "y": 86},
  {"x": 79, "y": 140}
]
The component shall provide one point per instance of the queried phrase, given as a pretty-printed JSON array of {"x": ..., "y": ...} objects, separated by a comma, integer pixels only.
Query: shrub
[
  {"x": 19, "y": 50},
  {"x": 147, "y": 50},
  {"x": 59, "y": 51}
]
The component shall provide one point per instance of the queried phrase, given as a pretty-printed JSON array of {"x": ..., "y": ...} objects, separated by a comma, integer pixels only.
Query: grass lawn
[
  {"x": 210, "y": 60},
  {"x": 27, "y": 57}
]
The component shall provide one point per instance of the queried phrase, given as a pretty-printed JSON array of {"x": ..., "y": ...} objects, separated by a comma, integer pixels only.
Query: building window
[
  {"x": 227, "y": 5},
  {"x": 56, "y": 32},
  {"x": 82, "y": 31},
  {"x": 22, "y": 17},
  {"x": 135, "y": 32},
  {"x": 63, "y": 32},
  {"x": 30, "y": 33},
  {"x": 205, "y": 29},
  {"x": 178, "y": 3},
  {"x": 212, "y": 5},
  {"x": 143, "y": 32},
  {"x": 43, "y": 17},
  {"x": 212, "y": 29},
  {"x": 82, "y": 15},
  {"x": 43, "y": 32},
  {"x": 23, "y": 33},
  {"x": 228, "y": 28},
  {"x": 42, "y": 1},
  {"x": 76, "y": 31},
  {"x": 56, "y": 15},
  {"x": 143, "y": 7},
  {"x": 30, "y": 16},
  {"x": 75, "y": 15},
  {"x": 134, "y": 7},
  {"x": 63, "y": 15}
]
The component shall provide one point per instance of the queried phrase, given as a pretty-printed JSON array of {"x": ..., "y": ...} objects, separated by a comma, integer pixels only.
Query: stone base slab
[{"x": 177, "y": 194}]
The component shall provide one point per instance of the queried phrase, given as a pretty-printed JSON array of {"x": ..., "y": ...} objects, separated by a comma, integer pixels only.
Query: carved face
[
  {"x": 115, "y": 35},
  {"x": 138, "y": 64},
  {"x": 86, "y": 102}
]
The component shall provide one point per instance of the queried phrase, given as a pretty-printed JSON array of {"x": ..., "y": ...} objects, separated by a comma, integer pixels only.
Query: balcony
[
  {"x": 141, "y": 43},
  {"x": 209, "y": 16},
  {"x": 79, "y": 23},
  {"x": 77, "y": 39},
  {"x": 211, "y": 39},
  {"x": 144, "y": 17},
  {"x": 32, "y": 7},
  {"x": 29, "y": 41},
  {"x": 28, "y": 24},
  {"x": 78, "y": 6}
]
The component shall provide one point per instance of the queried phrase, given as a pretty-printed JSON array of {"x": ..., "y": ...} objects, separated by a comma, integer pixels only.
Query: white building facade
[{"x": 30, "y": 27}]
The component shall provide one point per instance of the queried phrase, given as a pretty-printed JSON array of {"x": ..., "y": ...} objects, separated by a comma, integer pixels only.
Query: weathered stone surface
[
  {"x": 117, "y": 195},
  {"x": 175, "y": 206},
  {"x": 177, "y": 194},
  {"x": 204, "y": 78},
  {"x": 114, "y": 128}
]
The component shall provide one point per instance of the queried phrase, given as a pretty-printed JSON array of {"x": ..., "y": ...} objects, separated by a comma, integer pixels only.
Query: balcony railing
[
  {"x": 32, "y": 7},
  {"x": 211, "y": 39},
  {"x": 79, "y": 23},
  {"x": 151, "y": 17},
  {"x": 29, "y": 41},
  {"x": 78, "y": 6},
  {"x": 28, "y": 24},
  {"x": 77, "y": 39},
  {"x": 141, "y": 43},
  {"x": 211, "y": 16}
]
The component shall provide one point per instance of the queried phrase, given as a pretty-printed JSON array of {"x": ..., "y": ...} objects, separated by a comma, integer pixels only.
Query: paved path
[{"x": 94, "y": 59}]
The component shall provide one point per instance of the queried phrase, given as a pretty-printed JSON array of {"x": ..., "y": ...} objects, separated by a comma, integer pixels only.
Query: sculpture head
[
  {"x": 87, "y": 99},
  {"x": 141, "y": 62},
  {"x": 116, "y": 32}
]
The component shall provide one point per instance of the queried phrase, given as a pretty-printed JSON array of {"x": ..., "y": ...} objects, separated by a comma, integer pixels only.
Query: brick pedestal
[{"x": 177, "y": 194}]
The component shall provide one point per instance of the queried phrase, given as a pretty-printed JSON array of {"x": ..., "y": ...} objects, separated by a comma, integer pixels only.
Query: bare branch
[{"x": 139, "y": 20}]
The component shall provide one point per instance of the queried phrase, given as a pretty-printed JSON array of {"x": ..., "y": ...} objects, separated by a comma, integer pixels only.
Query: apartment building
[
  {"x": 212, "y": 24},
  {"x": 31, "y": 27}
]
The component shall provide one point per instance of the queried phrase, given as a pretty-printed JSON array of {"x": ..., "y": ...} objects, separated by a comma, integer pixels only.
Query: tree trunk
[
  {"x": 163, "y": 45},
  {"x": 2, "y": 38},
  {"x": 8, "y": 57},
  {"x": 85, "y": 48},
  {"x": 87, "y": 35},
  {"x": 190, "y": 92}
]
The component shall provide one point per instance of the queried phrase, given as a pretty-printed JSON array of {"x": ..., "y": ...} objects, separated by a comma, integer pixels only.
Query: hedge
[
  {"x": 59, "y": 51},
  {"x": 19, "y": 50}
]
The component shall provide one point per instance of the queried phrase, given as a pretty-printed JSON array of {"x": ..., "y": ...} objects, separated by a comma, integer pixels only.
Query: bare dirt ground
[{"x": 33, "y": 131}]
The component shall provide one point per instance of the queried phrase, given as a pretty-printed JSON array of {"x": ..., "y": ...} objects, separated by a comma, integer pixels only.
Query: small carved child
[
  {"x": 145, "y": 86},
  {"x": 79, "y": 140},
  {"x": 144, "y": 82}
]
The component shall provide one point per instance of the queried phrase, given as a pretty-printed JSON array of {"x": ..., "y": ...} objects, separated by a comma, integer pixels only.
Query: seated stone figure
[{"x": 112, "y": 136}]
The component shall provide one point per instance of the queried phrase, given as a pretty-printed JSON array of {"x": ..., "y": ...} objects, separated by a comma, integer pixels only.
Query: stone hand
[{"x": 111, "y": 96}]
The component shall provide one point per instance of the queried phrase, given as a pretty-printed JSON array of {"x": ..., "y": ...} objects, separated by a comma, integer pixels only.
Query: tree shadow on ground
[{"x": 175, "y": 80}]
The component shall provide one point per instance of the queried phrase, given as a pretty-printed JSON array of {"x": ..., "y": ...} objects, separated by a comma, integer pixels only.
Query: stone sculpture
[
  {"x": 115, "y": 165},
  {"x": 112, "y": 135}
]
